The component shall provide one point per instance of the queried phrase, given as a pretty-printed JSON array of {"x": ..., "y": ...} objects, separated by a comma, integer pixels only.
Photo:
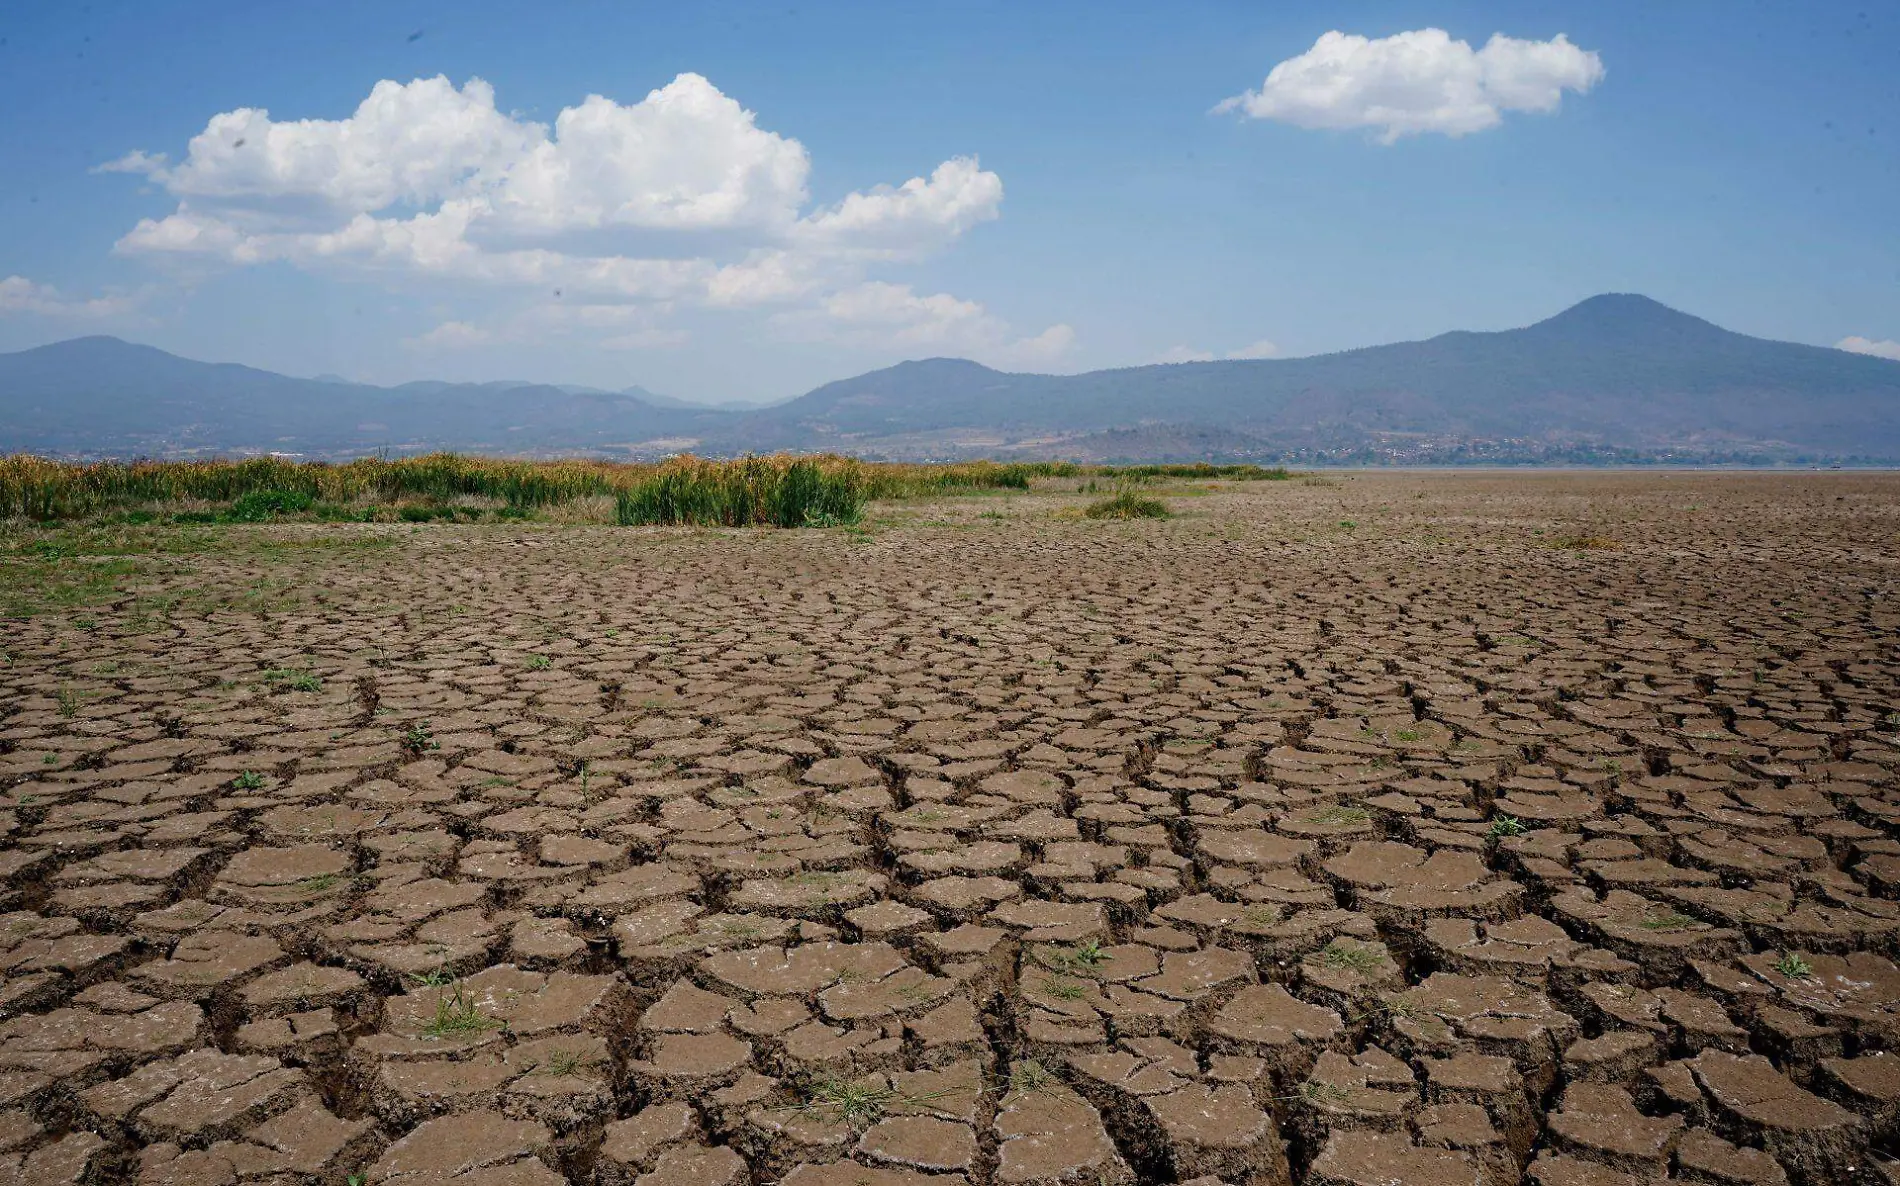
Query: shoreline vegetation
[{"x": 776, "y": 490}]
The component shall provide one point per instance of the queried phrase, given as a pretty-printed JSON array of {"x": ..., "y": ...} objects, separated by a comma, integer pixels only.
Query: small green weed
[
  {"x": 418, "y": 740},
  {"x": 250, "y": 780},
  {"x": 1505, "y": 825},
  {"x": 1793, "y": 966},
  {"x": 1087, "y": 954},
  {"x": 70, "y": 700},
  {"x": 293, "y": 679}
]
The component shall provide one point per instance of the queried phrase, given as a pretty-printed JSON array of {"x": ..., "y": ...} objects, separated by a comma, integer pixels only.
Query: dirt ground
[{"x": 1416, "y": 828}]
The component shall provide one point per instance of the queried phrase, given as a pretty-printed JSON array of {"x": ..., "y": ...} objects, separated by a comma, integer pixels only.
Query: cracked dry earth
[{"x": 1249, "y": 847}]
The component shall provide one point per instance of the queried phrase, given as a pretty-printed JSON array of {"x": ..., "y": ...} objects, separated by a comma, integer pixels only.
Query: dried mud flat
[{"x": 1396, "y": 828}]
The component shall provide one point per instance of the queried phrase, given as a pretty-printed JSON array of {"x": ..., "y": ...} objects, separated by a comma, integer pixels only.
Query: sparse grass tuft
[
  {"x": 1126, "y": 504},
  {"x": 1027, "y": 1078},
  {"x": 1087, "y": 954},
  {"x": 293, "y": 680},
  {"x": 1339, "y": 815},
  {"x": 458, "y": 1016},
  {"x": 1587, "y": 543},
  {"x": 855, "y": 1105},
  {"x": 70, "y": 700},
  {"x": 250, "y": 780},
  {"x": 1667, "y": 920},
  {"x": 1344, "y": 953},
  {"x": 1318, "y": 1091},
  {"x": 561, "y": 1063}
]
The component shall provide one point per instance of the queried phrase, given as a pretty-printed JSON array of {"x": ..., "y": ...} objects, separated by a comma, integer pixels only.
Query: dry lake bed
[{"x": 1354, "y": 829}]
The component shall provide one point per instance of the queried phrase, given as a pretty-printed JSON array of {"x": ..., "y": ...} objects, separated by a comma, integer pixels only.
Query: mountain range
[{"x": 1618, "y": 377}]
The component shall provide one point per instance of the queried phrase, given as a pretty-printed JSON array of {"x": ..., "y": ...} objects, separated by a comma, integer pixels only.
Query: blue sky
[{"x": 748, "y": 232}]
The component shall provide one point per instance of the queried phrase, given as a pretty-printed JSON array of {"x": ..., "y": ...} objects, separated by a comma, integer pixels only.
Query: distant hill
[
  {"x": 100, "y": 395},
  {"x": 1616, "y": 371},
  {"x": 1614, "y": 378}
]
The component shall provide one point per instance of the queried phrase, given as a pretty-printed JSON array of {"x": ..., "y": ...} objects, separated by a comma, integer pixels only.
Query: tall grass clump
[
  {"x": 36, "y": 488},
  {"x": 782, "y": 489},
  {"x": 1128, "y": 502},
  {"x": 1202, "y": 469},
  {"x": 776, "y": 491}
]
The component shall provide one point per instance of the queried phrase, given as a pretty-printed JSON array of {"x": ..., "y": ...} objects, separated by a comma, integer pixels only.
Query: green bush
[
  {"x": 260, "y": 505},
  {"x": 1128, "y": 505}
]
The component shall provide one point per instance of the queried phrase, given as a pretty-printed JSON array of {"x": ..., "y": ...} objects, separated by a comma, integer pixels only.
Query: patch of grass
[
  {"x": 1339, "y": 815},
  {"x": 561, "y": 1063},
  {"x": 1587, "y": 543},
  {"x": 854, "y": 1105},
  {"x": 293, "y": 679},
  {"x": 1087, "y": 954},
  {"x": 1064, "y": 990},
  {"x": 539, "y": 662},
  {"x": 1126, "y": 504},
  {"x": 250, "y": 780},
  {"x": 777, "y": 491},
  {"x": 1345, "y": 954},
  {"x": 1028, "y": 1077},
  {"x": 1318, "y": 1091},
  {"x": 1668, "y": 920},
  {"x": 260, "y": 506}
]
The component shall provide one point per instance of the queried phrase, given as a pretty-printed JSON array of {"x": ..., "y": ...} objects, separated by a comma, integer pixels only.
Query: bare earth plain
[{"x": 1400, "y": 828}]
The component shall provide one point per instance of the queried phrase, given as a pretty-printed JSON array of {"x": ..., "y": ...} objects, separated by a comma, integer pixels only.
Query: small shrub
[
  {"x": 418, "y": 740},
  {"x": 261, "y": 505},
  {"x": 1126, "y": 504}
]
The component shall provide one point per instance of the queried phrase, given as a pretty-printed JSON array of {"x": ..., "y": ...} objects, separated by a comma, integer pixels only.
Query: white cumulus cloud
[
  {"x": 1418, "y": 81},
  {"x": 679, "y": 199},
  {"x": 449, "y": 335},
  {"x": 881, "y": 314},
  {"x": 1855, "y": 344},
  {"x": 20, "y": 295},
  {"x": 1260, "y": 349}
]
